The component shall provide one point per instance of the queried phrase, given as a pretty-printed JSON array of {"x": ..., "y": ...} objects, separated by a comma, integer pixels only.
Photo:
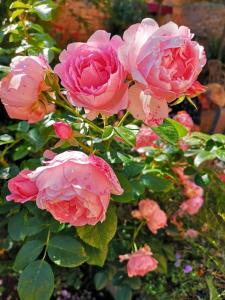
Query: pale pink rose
[
  {"x": 150, "y": 211},
  {"x": 145, "y": 137},
  {"x": 192, "y": 190},
  {"x": 144, "y": 107},
  {"x": 185, "y": 119},
  {"x": 20, "y": 90},
  {"x": 22, "y": 189},
  {"x": 76, "y": 188},
  {"x": 140, "y": 262},
  {"x": 191, "y": 206},
  {"x": 163, "y": 59},
  {"x": 191, "y": 233},
  {"x": 93, "y": 75},
  {"x": 63, "y": 130}
]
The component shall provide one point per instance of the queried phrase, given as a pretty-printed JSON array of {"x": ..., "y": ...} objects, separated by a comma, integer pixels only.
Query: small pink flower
[
  {"x": 48, "y": 154},
  {"x": 163, "y": 59},
  {"x": 150, "y": 211},
  {"x": 191, "y": 233},
  {"x": 191, "y": 206},
  {"x": 63, "y": 130},
  {"x": 140, "y": 262},
  {"x": 76, "y": 188},
  {"x": 192, "y": 190},
  {"x": 93, "y": 75},
  {"x": 20, "y": 90},
  {"x": 185, "y": 119},
  {"x": 145, "y": 137},
  {"x": 22, "y": 188}
]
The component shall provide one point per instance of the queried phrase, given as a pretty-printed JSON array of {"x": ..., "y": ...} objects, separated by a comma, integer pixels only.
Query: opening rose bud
[{"x": 63, "y": 130}]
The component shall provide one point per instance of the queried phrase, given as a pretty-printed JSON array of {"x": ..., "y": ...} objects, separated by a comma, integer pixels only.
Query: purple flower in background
[
  {"x": 178, "y": 255},
  {"x": 178, "y": 259},
  {"x": 177, "y": 263},
  {"x": 187, "y": 269}
]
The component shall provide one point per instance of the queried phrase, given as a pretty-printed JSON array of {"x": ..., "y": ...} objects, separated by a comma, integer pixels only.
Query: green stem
[
  {"x": 4, "y": 152},
  {"x": 136, "y": 231},
  {"x": 123, "y": 119},
  {"x": 46, "y": 245},
  {"x": 75, "y": 112}
]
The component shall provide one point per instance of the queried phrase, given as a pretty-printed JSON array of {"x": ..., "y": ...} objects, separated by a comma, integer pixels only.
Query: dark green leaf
[
  {"x": 36, "y": 282},
  {"x": 17, "y": 226},
  {"x": 66, "y": 251},
  {"x": 156, "y": 183},
  {"x": 124, "y": 293},
  {"x": 96, "y": 256},
  {"x": 167, "y": 131},
  {"x": 126, "y": 134},
  {"x": 100, "y": 280},
  {"x": 127, "y": 194},
  {"x": 29, "y": 252}
]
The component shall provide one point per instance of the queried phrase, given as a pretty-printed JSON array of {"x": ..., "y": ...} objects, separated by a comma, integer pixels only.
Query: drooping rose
[
  {"x": 163, "y": 59},
  {"x": 21, "y": 187},
  {"x": 150, "y": 211},
  {"x": 145, "y": 137},
  {"x": 185, "y": 119},
  {"x": 20, "y": 90},
  {"x": 93, "y": 75},
  {"x": 76, "y": 188},
  {"x": 63, "y": 130},
  {"x": 140, "y": 262}
]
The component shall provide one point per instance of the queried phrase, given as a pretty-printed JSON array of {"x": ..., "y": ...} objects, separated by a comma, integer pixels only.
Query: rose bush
[{"x": 103, "y": 192}]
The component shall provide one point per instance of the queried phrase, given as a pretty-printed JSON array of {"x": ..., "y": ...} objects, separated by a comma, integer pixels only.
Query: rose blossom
[
  {"x": 191, "y": 233},
  {"x": 145, "y": 137},
  {"x": 20, "y": 90},
  {"x": 191, "y": 206},
  {"x": 76, "y": 188},
  {"x": 93, "y": 75},
  {"x": 22, "y": 188},
  {"x": 140, "y": 262},
  {"x": 185, "y": 119},
  {"x": 192, "y": 190},
  {"x": 150, "y": 211},
  {"x": 63, "y": 130},
  {"x": 164, "y": 60}
]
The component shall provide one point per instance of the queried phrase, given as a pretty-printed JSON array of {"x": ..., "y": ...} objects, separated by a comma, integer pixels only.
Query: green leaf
[
  {"x": 20, "y": 152},
  {"x": 203, "y": 156},
  {"x": 16, "y": 14},
  {"x": 96, "y": 256},
  {"x": 181, "y": 129},
  {"x": 218, "y": 137},
  {"x": 107, "y": 133},
  {"x": 34, "y": 226},
  {"x": 19, "y": 4},
  {"x": 213, "y": 294},
  {"x": 126, "y": 134},
  {"x": 36, "y": 282},
  {"x": 156, "y": 183},
  {"x": 100, "y": 235},
  {"x": 23, "y": 126},
  {"x": 45, "y": 10},
  {"x": 220, "y": 154},
  {"x": 162, "y": 266},
  {"x": 66, "y": 251},
  {"x": 29, "y": 252},
  {"x": 124, "y": 293},
  {"x": 127, "y": 194},
  {"x": 17, "y": 226},
  {"x": 167, "y": 131},
  {"x": 100, "y": 280}
]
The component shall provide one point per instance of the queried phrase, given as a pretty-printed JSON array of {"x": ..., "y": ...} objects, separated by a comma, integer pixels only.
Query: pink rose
[
  {"x": 144, "y": 107},
  {"x": 185, "y": 119},
  {"x": 191, "y": 233},
  {"x": 150, "y": 211},
  {"x": 145, "y": 137},
  {"x": 191, "y": 206},
  {"x": 192, "y": 190},
  {"x": 93, "y": 75},
  {"x": 20, "y": 90},
  {"x": 22, "y": 188},
  {"x": 163, "y": 59},
  {"x": 63, "y": 130},
  {"x": 195, "y": 90},
  {"x": 140, "y": 262},
  {"x": 76, "y": 188}
]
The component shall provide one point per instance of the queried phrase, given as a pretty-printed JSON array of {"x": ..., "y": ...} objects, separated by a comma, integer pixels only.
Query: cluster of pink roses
[
  {"x": 193, "y": 192},
  {"x": 163, "y": 62},
  {"x": 65, "y": 187}
]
